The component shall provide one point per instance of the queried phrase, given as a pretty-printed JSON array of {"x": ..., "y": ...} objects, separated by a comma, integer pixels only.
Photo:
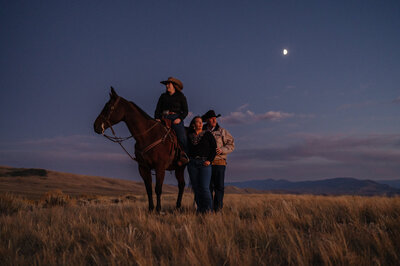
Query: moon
[{"x": 285, "y": 51}]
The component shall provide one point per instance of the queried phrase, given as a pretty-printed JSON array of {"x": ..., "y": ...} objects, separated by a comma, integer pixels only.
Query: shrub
[
  {"x": 56, "y": 198},
  {"x": 25, "y": 172},
  {"x": 10, "y": 204}
]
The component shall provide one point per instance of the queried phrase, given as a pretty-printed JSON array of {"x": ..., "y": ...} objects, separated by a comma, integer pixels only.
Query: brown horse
[{"x": 155, "y": 148}]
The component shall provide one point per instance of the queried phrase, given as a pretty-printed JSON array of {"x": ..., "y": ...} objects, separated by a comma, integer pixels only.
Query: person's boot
[{"x": 183, "y": 158}]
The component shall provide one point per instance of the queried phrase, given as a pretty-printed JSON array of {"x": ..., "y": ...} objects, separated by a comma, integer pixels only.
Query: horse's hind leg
[
  {"x": 179, "y": 174},
  {"x": 145, "y": 173},
  {"x": 160, "y": 173}
]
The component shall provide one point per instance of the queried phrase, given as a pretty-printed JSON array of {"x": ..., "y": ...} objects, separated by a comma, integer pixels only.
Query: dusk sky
[{"x": 328, "y": 108}]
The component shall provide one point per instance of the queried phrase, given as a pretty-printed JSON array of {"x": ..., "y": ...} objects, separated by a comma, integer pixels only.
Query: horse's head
[{"x": 110, "y": 115}]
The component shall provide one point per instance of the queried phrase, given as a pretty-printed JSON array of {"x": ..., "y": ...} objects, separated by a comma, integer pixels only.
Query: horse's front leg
[
  {"x": 145, "y": 173},
  {"x": 180, "y": 176},
  {"x": 160, "y": 173}
]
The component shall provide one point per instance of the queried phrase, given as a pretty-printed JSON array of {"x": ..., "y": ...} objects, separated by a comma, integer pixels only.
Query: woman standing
[
  {"x": 173, "y": 105},
  {"x": 202, "y": 150}
]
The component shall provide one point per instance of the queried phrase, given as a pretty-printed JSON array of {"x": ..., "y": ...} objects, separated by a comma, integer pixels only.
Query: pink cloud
[{"x": 245, "y": 116}]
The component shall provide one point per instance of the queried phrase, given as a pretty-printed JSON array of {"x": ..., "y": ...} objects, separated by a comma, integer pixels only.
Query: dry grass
[{"x": 252, "y": 230}]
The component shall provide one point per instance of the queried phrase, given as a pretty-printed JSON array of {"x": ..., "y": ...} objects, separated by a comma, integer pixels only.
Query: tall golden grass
[{"x": 251, "y": 230}]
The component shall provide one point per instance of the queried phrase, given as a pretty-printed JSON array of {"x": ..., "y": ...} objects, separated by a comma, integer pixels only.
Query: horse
[{"x": 156, "y": 144}]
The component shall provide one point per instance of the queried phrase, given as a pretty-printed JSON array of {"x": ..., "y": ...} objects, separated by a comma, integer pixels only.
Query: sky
[{"x": 329, "y": 108}]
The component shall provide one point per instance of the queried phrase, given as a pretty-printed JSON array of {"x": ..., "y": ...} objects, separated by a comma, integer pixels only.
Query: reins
[
  {"x": 119, "y": 140},
  {"x": 152, "y": 145}
]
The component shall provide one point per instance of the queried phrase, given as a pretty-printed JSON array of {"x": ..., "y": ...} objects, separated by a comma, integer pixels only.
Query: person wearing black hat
[
  {"x": 172, "y": 105},
  {"x": 225, "y": 145}
]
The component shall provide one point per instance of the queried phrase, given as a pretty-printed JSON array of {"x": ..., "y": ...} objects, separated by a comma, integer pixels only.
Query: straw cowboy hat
[
  {"x": 177, "y": 83},
  {"x": 209, "y": 114}
]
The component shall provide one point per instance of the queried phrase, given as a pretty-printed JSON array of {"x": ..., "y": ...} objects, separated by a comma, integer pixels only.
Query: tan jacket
[{"x": 225, "y": 142}]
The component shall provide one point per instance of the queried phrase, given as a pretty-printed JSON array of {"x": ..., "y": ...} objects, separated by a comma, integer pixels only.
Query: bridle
[{"x": 119, "y": 140}]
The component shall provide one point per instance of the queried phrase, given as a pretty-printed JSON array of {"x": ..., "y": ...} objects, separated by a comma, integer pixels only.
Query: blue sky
[{"x": 329, "y": 108}]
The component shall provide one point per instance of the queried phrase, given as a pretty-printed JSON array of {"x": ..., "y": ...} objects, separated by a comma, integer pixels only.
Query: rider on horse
[{"x": 172, "y": 105}]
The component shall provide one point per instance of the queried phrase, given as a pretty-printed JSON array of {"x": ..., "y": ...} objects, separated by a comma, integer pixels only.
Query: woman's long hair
[{"x": 191, "y": 125}]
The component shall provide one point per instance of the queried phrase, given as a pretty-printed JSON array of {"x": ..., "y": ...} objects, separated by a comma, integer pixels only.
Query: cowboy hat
[
  {"x": 177, "y": 83},
  {"x": 209, "y": 114}
]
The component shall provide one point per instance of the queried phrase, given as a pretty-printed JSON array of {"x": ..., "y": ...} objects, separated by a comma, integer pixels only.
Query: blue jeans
[
  {"x": 217, "y": 186},
  {"x": 180, "y": 131},
  {"x": 200, "y": 177}
]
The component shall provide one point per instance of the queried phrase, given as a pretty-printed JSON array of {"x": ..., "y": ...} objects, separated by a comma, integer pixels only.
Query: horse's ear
[{"x": 113, "y": 93}]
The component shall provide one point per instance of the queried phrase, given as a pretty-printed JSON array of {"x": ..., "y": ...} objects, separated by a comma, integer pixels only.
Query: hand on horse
[
  {"x": 207, "y": 163},
  {"x": 177, "y": 121}
]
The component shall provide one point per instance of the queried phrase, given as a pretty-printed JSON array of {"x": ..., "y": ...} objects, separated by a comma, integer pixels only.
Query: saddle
[{"x": 177, "y": 147}]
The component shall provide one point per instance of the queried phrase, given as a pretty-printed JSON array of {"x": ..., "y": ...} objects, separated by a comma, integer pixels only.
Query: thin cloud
[
  {"x": 243, "y": 107},
  {"x": 92, "y": 155},
  {"x": 246, "y": 116},
  {"x": 373, "y": 156},
  {"x": 290, "y": 87},
  {"x": 396, "y": 101},
  {"x": 355, "y": 105},
  {"x": 75, "y": 147},
  {"x": 339, "y": 149}
]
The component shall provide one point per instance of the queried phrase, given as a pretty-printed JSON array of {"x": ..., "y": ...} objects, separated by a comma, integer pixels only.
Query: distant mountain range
[
  {"x": 334, "y": 186},
  {"x": 392, "y": 183}
]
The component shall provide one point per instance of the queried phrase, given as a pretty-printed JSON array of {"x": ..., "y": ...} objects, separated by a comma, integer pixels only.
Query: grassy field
[{"x": 262, "y": 229}]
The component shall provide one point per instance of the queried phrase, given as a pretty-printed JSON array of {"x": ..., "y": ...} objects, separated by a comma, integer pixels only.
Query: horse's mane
[{"x": 141, "y": 111}]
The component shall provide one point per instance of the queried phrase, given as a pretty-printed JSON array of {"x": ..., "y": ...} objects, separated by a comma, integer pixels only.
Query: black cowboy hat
[
  {"x": 177, "y": 83},
  {"x": 209, "y": 114}
]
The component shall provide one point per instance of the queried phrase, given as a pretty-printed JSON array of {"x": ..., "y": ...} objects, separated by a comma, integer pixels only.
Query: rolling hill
[{"x": 33, "y": 183}]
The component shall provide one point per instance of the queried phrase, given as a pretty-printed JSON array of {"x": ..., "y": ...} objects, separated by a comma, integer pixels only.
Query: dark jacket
[
  {"x": 205, "y": 146},
  {"x": 173, "y": 103}
]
